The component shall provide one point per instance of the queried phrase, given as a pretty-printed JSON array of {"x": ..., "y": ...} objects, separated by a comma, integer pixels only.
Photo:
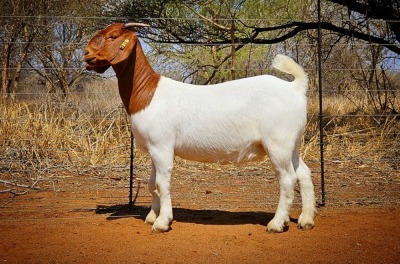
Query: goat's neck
[{"x": 137, "y": 81}]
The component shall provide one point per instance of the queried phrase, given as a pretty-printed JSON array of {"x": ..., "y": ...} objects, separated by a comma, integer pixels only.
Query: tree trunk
[
  {"x": 4, "y": 75},
  {"x": 233, "y": 51}
]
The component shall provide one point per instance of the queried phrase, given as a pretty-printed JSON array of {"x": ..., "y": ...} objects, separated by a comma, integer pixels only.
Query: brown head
[
  {"x": 110, "y": 46},
  {"x": 118, "y": 46}
]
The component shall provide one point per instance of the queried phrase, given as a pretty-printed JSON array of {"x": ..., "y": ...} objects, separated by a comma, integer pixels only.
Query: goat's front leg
[
  {"x": 155, "y": 205},
  {"x": 163, "y": 164}
]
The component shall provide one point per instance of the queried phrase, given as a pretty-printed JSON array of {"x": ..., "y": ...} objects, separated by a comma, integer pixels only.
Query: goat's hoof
[
  {"x": 150, "y": 218},
  {"x": 305, "y": 227},
  {"x": 149, "y": 222},
  {"x": 278, "y": 226},
  {"x": 273, "y": 228},
  {"x": 160, "y": 226},
  {"x": 305, "y": 222},
  {"x": 160, "y": 229},
  {"x": 272, "y": 231}
]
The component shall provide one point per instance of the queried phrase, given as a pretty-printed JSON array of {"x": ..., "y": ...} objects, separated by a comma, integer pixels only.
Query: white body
[
  {"x": 235, "y": 121},
  {"x": 227, "y": 122}
]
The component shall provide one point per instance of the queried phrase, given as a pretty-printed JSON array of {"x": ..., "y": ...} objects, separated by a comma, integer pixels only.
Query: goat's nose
[{"x": 86, "y": 52}]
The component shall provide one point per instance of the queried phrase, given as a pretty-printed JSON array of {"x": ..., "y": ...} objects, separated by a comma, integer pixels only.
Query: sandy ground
[
  {"x": 220, "y": 215},
  {"x": 112, "y": 234}
]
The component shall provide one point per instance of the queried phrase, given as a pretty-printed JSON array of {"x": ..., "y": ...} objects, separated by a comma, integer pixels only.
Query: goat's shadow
[{"x": 205, "y": 217}]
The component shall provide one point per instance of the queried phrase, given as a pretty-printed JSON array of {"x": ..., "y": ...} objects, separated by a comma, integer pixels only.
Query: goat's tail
[{"x": 288, "y": 65}]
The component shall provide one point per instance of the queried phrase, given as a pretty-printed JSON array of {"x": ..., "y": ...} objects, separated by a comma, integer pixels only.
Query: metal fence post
[
  {"x": 131, "y": 172},
  {"x": 321, "y": 114}
]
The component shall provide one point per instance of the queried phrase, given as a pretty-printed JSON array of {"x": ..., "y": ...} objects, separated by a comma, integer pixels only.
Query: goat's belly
[{"x": 213, "y": 154}]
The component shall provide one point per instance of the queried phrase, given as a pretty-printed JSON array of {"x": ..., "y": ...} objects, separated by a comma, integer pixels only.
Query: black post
[
  {"x": 321, "y": 114},
  {"x": 131, "y": 174}
]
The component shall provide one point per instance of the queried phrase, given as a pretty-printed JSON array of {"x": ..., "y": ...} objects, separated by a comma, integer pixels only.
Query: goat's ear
[{"x": 128, "y": 41}]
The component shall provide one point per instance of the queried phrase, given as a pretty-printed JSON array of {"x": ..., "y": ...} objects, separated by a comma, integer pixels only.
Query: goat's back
[{"x": 224, "y": 122}]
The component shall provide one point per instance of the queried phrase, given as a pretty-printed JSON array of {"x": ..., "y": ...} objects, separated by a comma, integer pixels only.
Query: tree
[
  {"x": 59, "y": 61},
  {"x": 206, "y": 37},
  {"x": 195, "y": 31},
  {"x": 38, "y": 35},
  {"x": 386, "y": 10},
  {"x": 216, "y": 24},
  {"x": 16, "y": 36},
  {"x": 58, "y": 57}
]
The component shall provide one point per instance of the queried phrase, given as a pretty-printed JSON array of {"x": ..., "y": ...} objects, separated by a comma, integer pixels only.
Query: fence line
[
  {"x": 63, "y": 18},
  {"x": 360, "y": 162}
]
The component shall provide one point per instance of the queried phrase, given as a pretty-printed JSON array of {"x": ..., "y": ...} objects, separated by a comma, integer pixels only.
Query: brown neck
[{"x": 137, "y": 81}]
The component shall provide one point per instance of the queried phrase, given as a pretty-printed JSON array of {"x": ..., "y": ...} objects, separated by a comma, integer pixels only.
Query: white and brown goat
[{"x": 230, "y": 122}]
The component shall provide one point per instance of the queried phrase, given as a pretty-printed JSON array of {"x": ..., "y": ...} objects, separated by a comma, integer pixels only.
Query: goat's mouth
[
  {"x": 100, "y": 68},
  {"x": 93, "y": 64},
  {"x": 92, "y": 61}
]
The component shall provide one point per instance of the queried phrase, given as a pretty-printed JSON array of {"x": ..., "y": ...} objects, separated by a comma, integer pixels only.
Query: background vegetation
[{"x": 54, "y": 115}]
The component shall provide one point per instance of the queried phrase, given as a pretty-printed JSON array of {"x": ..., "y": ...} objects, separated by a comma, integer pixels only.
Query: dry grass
[
  {"x": 89, "y": 130},
  {"x": 86, "y": 130},
  {"x": 353, "y": 135}
]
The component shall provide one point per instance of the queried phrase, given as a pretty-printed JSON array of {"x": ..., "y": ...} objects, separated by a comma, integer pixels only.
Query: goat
[{"x": 230, "y": 122}]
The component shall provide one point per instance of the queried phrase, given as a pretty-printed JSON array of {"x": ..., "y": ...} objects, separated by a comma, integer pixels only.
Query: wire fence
[{"x": 77, "y": 148}]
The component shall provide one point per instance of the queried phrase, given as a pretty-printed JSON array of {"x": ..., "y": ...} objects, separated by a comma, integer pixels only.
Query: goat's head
[{"x": 110, "y": 46}]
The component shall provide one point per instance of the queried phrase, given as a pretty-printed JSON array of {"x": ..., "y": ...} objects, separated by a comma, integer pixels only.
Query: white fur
[{"x": 231, "y": 122}]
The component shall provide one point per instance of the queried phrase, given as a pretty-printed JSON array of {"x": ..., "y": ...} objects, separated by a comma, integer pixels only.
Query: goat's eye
[{"x": 111, "y": 38}]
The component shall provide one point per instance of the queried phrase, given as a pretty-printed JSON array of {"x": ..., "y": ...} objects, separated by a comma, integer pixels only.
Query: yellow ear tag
[{"x": 123, "y": 44}]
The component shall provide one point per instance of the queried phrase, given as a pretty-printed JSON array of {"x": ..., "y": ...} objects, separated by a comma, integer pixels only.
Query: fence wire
[{"x": 73, "y": 153}]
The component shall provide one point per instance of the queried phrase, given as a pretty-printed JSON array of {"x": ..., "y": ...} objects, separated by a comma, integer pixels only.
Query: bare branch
[
  {"x": 206, "y": 18},
  {"x": 297, "y": 27},
  {"x": 387, "y": 10},
  {"x": 301, "y": 26},
  {"x": 29, "y": 187}
]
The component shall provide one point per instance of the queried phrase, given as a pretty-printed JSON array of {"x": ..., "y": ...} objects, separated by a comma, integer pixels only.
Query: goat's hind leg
[
  {"x": 306, "y": 219},
  {"x": 286, "y": 195},
  {"x": 287, "y": 179}
]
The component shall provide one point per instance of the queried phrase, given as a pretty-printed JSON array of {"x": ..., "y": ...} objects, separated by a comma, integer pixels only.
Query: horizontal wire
[
  {"x": 83, "y": 168},
  {"x": 47, "y": 140},
  {"x": 108, "y": 166},
  {"x": 85, "y": 136},
  {"x": 120, "y": 106},
  {"x": 364, "y": 115},
  {"x": 237, "y": 69},
  {"x": 351, "y": 139},
  {"x": 326, "y": 44},
  {"x": 114, "y": 92},
  {"x": 81, "y": 150},
  {"x": 43, "y": 118},
  {"x": 187, "y": 18}
]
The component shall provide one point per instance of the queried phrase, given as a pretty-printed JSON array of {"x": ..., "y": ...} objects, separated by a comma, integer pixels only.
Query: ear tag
[{"x": 123, "y": 44}]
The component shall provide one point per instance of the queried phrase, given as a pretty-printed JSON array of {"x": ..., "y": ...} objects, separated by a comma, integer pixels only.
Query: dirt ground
[
  {"x": 112, "y": 234},
  {"x": 220, "y": 215}
]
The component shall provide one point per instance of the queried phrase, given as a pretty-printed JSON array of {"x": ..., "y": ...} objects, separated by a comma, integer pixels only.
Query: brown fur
[{"x": 137, "y": 81}]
